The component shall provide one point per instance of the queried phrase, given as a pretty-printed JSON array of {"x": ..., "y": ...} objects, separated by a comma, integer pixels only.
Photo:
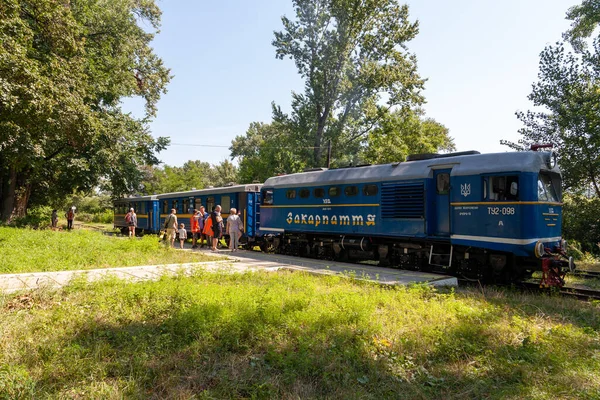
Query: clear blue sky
[{"x": 480, "y": 58}]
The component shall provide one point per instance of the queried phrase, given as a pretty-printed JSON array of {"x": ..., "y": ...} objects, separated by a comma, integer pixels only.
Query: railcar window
[
  {"x": 501, "y": 188},
  {"x": 197, "y": 203},
  {"x": 210, "y": 204},
  {"x": 186, "y": 206},
  {"x": 225, "y": 204},
  {"x": 370, "y": 190},
  {"x": 334, "y": 191},
  {"x": 304, "y": 193},
  {"x": 267, "y": 197},
  {"x": 351, "y": 190},
  {"x": 443, "y": 183},
  {"x": 290, "y": 194},
  {"x": 176, "y": 205},
  {"x": 546, "y": 190},
  {"x": 165, "y": 207},
  {"x": 319, "y": 192}
]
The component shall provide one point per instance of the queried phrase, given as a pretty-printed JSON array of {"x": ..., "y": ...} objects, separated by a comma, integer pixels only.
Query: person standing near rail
[
  {"x": 171, "y": 227},
  {"x": 131, "y": 220},
  {"x": 217, "y": 226},
  {"x": 54, "y": 218},
  {"x": 233, "y": 228},
  {"x": 195, "y": 228},
  {"x": 201, "y": 225},
  {"x": 70, "y": 217}
]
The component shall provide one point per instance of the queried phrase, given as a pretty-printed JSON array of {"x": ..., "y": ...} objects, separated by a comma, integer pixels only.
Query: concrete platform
[{"x": 237, "y": 262}]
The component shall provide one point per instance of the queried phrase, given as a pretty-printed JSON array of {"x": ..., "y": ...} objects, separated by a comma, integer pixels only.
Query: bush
[
  {"x": 37, "y": 217},
  {"x": 105, "y": 217},
  {"x": 581, "y": 222},
  {"x": 84, "y": 217}
]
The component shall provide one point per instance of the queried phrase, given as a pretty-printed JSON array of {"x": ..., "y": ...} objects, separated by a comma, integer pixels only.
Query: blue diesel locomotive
[
  {"x": 152, "y": 211},
  {"x": 481, "y": 216}
]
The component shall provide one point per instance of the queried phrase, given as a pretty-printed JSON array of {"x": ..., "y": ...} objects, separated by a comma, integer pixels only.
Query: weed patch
[
  {"x": 293, "y": 335},
  {"x": 28, "y": 250}
]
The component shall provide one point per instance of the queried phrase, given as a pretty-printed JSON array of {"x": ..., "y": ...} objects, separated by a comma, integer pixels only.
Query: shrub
[
  {"x": 105, "y": 217},
  {"x": 37, "y": 217},
  {"x": 581, "y": 222}
]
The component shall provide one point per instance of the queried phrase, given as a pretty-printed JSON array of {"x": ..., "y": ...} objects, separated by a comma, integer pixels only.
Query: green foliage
[
  {"x": 352, "y": 55},
  {"x": 26, "y": 250},
  {"x": 581, "y": 222},
  {"x": 292, "y": 335},
  {"x": 569, "y": 92},
  {"x": 193, "y": 174},
  {"x": 64, "y": 69},
  {"x": 266, "y": 150},
  {"x": 37, "y": 217},
  {"x": 586, "y": 18},
  {"x": 401, "y": 133}
]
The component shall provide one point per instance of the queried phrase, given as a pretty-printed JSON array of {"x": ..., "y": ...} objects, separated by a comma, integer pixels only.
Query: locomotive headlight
[
  {"x": 551, "y": 161},
  {"x": 539, "y": 249},
  {"x": 571, "y": 264},
  {"x": 563, "y": 244}
]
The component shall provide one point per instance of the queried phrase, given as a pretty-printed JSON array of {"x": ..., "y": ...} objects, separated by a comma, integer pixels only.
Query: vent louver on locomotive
[{"x": 402, "y": 200}]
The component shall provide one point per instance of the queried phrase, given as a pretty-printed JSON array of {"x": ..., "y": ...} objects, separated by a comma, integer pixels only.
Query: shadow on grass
[{"x": 224, "y": 347}]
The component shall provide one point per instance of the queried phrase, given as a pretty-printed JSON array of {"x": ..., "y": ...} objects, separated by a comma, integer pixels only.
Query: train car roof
[
  {"x": 466, "y": 164},
  {"x": 136, "y": 198},
  {"x": 255, "y": 187}
]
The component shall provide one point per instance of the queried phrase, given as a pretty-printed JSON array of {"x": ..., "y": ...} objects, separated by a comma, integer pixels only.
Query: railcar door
[{"x": 441, "y": 208}]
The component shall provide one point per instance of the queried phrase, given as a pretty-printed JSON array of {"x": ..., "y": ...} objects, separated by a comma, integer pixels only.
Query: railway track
[
  {"x": 579, "y": 293},
  {"x": 586, "y": 274}
]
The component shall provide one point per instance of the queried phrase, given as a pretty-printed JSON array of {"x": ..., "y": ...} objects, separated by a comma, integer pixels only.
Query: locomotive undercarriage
[{"x": 415, "y": 255}]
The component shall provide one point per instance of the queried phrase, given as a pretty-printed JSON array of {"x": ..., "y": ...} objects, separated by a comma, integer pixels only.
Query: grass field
[
  {"x": 294, "y": 336},
  {"x": 26, "y": 250}
]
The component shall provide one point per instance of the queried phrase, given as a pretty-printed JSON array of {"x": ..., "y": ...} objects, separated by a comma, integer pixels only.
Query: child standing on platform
[{"x": 182, "y": 234}]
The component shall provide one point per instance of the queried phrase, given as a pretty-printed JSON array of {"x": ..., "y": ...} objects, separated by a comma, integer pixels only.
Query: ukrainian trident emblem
[{"x": 465, "y": 189}]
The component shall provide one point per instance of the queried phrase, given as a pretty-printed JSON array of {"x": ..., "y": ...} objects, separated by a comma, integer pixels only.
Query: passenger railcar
[
  {"x": 152, "y": 211},
  {"x": 242, "y": 197},
  {"x": 146, "y": 209},
  {"x": 474, "y": 215}
]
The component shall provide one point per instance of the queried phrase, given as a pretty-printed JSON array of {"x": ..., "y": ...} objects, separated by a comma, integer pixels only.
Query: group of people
[
  {"x": 69, "y": 215},
  {"x": 206, "y": 227}
]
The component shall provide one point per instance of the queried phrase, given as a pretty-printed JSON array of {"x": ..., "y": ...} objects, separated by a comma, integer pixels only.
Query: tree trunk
[{"x": 9, "y": 188}]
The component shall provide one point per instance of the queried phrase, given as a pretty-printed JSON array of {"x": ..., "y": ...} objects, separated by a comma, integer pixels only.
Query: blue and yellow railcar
[
  {"x": 146, "y": 209},
  {"x": 475, "y": 215},
  {"x": 241, "y": 197}
]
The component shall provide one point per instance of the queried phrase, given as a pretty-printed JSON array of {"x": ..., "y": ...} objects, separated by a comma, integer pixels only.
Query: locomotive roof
[
  {"x": 255, "y": 187},
  {"x": 472, "y": 164}
]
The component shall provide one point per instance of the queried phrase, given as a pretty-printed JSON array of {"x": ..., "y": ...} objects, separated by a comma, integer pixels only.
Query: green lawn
[
  {"x": 294, "y": 336},
  {"x": 27, "y": 250}
]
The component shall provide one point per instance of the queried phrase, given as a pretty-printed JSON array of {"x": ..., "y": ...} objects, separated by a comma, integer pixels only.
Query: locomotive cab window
[
  {"x": 267, "y": 197},
  {"x": 370, "y": 190},
  {"x": 443, "y": 183},
  {"x": 501, "y": 188},
  {"x": 290, "y": 194},
  {"x": 351, "y": 191},
  {"x": 546, "y": 189}
]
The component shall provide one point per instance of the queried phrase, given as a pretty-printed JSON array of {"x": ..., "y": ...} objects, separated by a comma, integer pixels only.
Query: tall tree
[
  {"x": 586, "y": 18},
  {"x": 353, "y": 57},
  {"x": 267, "y": 150},
  {"x": 64, "y": 68},
  {"x": 401, "y": 133},
  {"x": 568, "y": 91}
]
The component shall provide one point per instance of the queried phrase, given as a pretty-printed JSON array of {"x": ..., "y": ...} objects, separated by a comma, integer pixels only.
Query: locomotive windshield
[{"x": 546, "y": 189}]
